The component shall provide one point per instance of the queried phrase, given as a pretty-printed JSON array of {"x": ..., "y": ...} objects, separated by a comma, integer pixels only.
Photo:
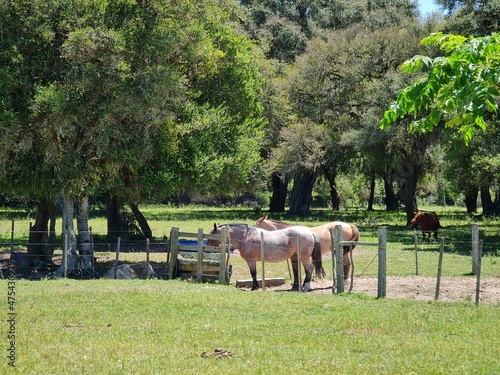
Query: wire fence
[{"x": 408, "y": 254}]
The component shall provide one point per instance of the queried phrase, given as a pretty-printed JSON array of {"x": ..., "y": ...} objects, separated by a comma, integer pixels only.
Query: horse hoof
[
  {"x": 295, "y": 288},
  {"x": 306, "y": 287}
]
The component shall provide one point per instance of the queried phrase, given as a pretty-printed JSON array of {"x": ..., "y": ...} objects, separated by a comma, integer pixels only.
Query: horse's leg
[
  {"x": 308, "y": 267},
  {"x": 347, "y": 262},
  {"x": 252, "y": 265},
  {"x": 295, "y": 267}
]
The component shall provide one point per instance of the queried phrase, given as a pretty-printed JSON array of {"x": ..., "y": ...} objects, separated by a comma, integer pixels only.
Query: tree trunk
[
  {"x": 141, "y": 220},
  {"x": 301, "y": 198},
  {"x": 39, "y": 234},
  {"x": 117, "y": 222},
  {"x": 280, "y": 188},
  {"x": 471, "y": 200},
  {"x": 412, "y": 173},
  {"x": 85, "y": 238},
  {"x": 391, "y": 200},
  {"x": 486, "y": 201},
  {"x": 372, "y": 194},
  {"x": 334, "y": 191},
  {"x": 69, "y": 238}
]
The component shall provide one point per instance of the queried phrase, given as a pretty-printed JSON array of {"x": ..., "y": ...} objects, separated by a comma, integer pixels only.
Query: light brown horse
[
  {"x": 349, "y": 233},
  {"x": 279, "y": 246}
]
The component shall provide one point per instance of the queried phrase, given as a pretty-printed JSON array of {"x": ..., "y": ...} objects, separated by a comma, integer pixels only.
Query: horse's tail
[
  {"x": 316, "y": 258},
  {"x": 354, "y": 237}
]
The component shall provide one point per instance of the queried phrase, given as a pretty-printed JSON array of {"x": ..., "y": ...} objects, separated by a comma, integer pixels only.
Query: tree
[
  {"x": 460, "y": 90},
  {"x": 341, "y": 83},
  {"x": 118, "y": 89},
  {"x": 471, "y": 17},
  {"x": 300, "y": 157}
]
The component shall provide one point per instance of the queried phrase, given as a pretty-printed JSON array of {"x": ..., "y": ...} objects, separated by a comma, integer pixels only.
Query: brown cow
[{"x": 428, "y": 223}]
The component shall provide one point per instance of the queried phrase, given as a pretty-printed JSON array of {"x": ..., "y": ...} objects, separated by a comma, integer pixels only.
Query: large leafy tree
[
  {"x": 460, "y": 91},
  {"x": 118, "y": 91},
  {"x": 471, "y": 17},
  {"x": 340, "y": 81},
  {"x": 324, "y": 84}
]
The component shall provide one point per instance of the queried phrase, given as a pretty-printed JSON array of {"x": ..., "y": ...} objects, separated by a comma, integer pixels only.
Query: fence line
[{"x": 475, "y": 243}]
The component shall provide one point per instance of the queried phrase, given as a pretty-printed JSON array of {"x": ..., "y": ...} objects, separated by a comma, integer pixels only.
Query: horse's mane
[
  {"x": 232, "y": 225},
  {"x": 279, "y": 221},
  {"x": 242, "y": 227}
]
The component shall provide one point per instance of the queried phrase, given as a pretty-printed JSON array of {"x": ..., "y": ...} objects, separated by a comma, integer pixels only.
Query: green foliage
[
  {"x": 460, "y": 89},
  {"x": 301, "y": 149},
  {"x": 103, "y": 107},
  {"x": 471, "y": 17}
]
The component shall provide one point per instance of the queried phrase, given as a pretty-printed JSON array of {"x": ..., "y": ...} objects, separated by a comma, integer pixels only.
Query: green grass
[
  {"x": 400, "y": 239},
  {"x": 163, "y": 327}
]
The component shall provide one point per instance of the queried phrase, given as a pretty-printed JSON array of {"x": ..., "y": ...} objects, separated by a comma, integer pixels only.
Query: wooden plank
[
  {"x": 278, "y": 281},
  {"x": 194, "y": 268},
  {"x": 174, "y": 248},
  {"x": 200, "y": 256},
  {"x": 222, "y": 257}
]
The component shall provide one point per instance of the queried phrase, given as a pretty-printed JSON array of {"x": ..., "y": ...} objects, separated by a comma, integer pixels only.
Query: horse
[
  {"x": 349, "y": 233},
  {"x": 279, "y": 246}
]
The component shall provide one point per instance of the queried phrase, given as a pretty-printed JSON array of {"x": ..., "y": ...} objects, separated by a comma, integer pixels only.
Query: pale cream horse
[{"x": 279, "y": 246}]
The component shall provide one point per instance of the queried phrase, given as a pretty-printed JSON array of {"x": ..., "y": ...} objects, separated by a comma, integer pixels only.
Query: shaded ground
[{"x": 452, "y": 289}]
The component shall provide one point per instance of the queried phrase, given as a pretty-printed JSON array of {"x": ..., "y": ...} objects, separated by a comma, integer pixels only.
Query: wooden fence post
[
  {"x": 339, "y": 258},
  {"x": 478, "y": 280},
  {"x": 382, "y": 270},
  {"x": 117, "y": 257},
  {"x": 475, "y": 251},
  {"x": 65, "y": 253},
  {"x": 440, "y": 267},
  {"x": 92, "y": 259},
  {"x": 199, "y": 272},
  {"x": 174, "y": 249},
  {"x": 299, "y": 264},
  {"x": 333, "y": 259},
  {"x": 12, "y": 237},
  {"x": 11, "y": 245},
  {"x": 416, "y": 251},
  {"x": 147, "y": 258},
  {"x": 351, "y": 284},
  {"x": 224, "y": 252},
  {"x": 263, "y": 260}
]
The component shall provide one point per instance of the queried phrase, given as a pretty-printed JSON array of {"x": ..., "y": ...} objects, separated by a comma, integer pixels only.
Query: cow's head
[{"x": 416, "y": 217}]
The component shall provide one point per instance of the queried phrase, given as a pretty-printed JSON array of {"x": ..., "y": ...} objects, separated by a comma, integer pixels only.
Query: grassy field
[
  {"x": 164, "y": 327},
  {"x": 169, "y": 327},
  {"x": 401, "y": 244}
]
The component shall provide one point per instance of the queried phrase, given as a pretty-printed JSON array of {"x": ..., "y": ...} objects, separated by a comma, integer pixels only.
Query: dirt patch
[{"x": 452, "y": 289}]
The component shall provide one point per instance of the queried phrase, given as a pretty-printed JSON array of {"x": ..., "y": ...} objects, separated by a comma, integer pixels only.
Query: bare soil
[{"x": 452, "y": 289}]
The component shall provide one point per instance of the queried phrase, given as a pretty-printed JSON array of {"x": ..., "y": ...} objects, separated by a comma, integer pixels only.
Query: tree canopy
[
  {"x": 460, "y": 90},
  {"x": 149, "y": 100}
]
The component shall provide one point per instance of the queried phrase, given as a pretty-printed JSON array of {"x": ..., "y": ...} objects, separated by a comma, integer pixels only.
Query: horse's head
[
  {"x": 261, "y": 220},
  {"x": 268, "y": 224},
  {"x": 215, "y": 230}
]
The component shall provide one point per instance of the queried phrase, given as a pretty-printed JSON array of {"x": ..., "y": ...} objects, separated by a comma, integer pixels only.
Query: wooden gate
[{"x": 190, "y": 257}]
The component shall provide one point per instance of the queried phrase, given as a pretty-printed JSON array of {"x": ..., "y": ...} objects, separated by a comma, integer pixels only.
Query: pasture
[
  {"x": 157, "y": 326},
  {"x": 164, "y": 327}
]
